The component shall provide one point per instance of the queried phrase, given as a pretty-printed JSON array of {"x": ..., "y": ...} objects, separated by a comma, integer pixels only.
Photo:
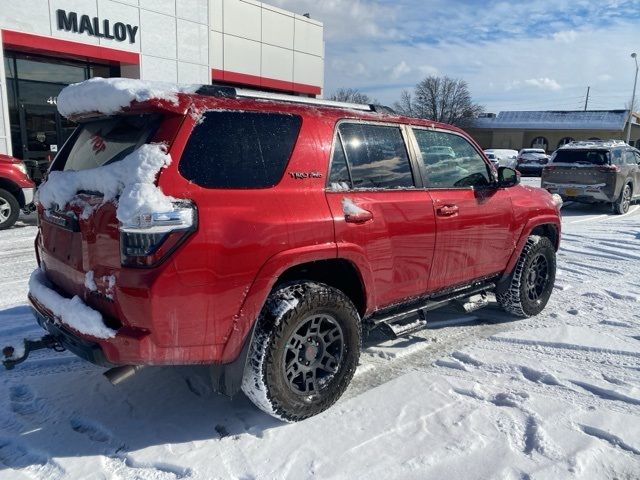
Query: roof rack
[
  {"x": 233, "y": 92},
  {"x": 595, "y": 143}
]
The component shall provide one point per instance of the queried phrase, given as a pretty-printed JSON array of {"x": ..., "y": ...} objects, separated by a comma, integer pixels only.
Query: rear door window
[
  {"x": 376, "y": 154},
  {"x": 584, "y": 156},
  {"x": 239, "y": 149},
  {"x": 450, "y": 161},
  {"x": 105, "y": 141}
]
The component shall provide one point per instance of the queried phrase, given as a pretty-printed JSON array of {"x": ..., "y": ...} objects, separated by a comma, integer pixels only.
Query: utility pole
[
  {"x": 586, "y": 100},
  {"x": 633, "y": 97}
]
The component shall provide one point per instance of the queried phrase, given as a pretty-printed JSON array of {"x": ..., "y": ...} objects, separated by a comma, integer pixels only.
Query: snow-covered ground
[{"x": 476, "y": 396}]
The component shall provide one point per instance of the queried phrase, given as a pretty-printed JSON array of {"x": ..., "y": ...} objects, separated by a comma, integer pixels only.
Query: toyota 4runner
[{"x": 262, "y": 234}]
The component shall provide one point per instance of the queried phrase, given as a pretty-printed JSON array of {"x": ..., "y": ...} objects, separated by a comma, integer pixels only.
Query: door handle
[
  {"x": 359, "y": 217},
  {"x": 447, "y": 210}
]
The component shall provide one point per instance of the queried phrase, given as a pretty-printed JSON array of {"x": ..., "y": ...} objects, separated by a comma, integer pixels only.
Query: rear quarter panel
[{"x": 226, "y": 263}]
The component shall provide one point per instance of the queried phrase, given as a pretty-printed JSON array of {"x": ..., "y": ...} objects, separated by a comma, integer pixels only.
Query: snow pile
[
  {"x": 110, "y": 95},
  {"x": 350, "y": 208},
  {"x": 132, "y": 179},
  {"x": 72, "y": 312}
]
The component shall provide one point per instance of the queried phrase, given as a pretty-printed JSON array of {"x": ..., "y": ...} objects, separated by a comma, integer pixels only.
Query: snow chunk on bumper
[
  {"x": 132, "y": 178},
  {"x": 110, "y": 95},
  {"x": 72, "y": 312}
]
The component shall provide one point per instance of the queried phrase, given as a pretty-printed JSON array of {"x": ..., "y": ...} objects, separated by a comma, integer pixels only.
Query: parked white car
[{"x": 504, "y": 156}]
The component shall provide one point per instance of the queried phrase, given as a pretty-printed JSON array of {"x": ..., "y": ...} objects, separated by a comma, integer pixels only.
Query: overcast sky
[{"x": 529, "y": 55}]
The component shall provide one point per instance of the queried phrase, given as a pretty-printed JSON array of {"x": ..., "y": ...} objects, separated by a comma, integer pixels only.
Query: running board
[{"x": 404, "y": 321}]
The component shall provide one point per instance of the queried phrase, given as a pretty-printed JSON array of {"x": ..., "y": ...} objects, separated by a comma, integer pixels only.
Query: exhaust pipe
[{"x": 117, "y": 375}]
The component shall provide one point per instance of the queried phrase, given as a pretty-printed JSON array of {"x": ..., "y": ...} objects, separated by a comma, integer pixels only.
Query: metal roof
[{"x": 556, "y": 120}]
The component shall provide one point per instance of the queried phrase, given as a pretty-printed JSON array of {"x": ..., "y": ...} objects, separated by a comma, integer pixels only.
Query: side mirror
[{"x": 508, "y": 177}]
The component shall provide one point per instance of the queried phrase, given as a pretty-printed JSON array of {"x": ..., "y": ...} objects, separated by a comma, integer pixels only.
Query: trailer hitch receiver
[{"x": 12, "y": 356}]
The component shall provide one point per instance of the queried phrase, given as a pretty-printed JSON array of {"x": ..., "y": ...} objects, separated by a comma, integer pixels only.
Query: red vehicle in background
[
  {"x": 287, "y": 227},
  {"x": 16, "y": 190}
]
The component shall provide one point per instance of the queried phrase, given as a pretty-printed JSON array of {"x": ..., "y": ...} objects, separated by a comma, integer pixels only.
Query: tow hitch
[{"x": 12, "y": 356}]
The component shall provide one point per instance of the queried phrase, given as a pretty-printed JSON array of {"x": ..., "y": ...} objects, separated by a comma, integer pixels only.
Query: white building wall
[{"x": 187, "y": 41}]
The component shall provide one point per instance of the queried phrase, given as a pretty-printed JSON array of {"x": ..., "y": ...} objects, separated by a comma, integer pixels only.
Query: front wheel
[
  {"x": 9, "y": 209},
  {"x": 304, "y": 351},
  {"x": 621, "y": 205},
  {"x": 527, "y": 290}
]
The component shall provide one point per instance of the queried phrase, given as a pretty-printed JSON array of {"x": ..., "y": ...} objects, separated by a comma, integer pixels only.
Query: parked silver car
[{"x": 531, "y": 161}]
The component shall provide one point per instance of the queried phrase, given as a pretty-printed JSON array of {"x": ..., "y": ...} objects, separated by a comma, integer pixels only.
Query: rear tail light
[
  {"x": 609, "y": 168},
  {"x": 151, "y": 238}
]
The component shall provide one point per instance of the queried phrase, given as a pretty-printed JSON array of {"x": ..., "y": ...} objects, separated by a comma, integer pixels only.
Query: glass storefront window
[
  {"x": 33, "y": 84},
  {"x": 43, "y": 71}
]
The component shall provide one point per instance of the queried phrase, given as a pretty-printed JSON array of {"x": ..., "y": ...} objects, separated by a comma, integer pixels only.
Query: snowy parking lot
[{"x": 475, "y": 396}]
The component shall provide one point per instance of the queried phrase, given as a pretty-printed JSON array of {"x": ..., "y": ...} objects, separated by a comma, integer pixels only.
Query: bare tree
[
  {"x": 351, "y": 95},
  {"x": 443, "y": 99},
  {"x": 405, "y": 106}
]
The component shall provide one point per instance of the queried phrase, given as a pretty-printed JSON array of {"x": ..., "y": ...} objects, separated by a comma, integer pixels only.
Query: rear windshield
[
  {"x": 105, "y": 141},
  {"x": 595, "y": 157},
  {"x": 239, "y": 149}
]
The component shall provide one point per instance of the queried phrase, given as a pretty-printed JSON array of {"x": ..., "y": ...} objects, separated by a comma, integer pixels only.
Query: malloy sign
[{"x": 94, "y": 27}]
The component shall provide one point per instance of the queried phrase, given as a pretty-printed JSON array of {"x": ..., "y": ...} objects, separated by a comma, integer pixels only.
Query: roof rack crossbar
[
  {"x": 246, "y": 93},
  {"x": 234, "y": 92}
]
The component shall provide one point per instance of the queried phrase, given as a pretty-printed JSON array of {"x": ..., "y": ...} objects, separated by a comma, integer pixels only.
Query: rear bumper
[
  {"x": 129, "y": 347},
  {"x": 580, "y": 192},
  {"x": 83, "y": 348},
  {"x": 531, "y": 168}
]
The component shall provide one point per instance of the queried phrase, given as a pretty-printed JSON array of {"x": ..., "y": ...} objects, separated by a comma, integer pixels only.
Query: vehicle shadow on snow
[
  {"x": 77, "y": 412},
  {"x": 59, "y": 406},
  {"x": 576, "y": 209},
  {"x": 447, "y": 317}
]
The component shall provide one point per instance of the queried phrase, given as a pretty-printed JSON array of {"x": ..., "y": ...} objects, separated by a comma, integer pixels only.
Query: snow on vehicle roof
[
  {"x": 594, "y": 144},
  {"x": 110, "y": 95},
  {"x": 550, "y": 120}
]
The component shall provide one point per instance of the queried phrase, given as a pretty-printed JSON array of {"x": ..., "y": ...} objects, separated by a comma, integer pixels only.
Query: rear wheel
[
  {"x": 9, "y": 209},
  {"x": 304, "y": 352},
  {"x": 526, "y": 292},
  {"x": 621, "y": 205}
]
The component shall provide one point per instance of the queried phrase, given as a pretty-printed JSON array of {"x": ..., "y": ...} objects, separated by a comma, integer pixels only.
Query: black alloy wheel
[{"x": 314, "y": 353}]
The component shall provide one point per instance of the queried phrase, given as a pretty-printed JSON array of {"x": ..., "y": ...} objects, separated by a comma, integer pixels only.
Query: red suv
[
  {"x": 262, "y": 234},
  {"x": 16, "y": 190}
]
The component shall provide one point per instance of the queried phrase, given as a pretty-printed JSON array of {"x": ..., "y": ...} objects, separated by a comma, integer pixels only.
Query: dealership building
[
  {"x": 48, "y": 44},
  {"x": 552, "y": 128}
]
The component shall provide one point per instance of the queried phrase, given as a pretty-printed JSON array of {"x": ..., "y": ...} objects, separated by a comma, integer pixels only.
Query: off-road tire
[
  {"x": 289, "y": 309},
  {"x": 9, "y": 209},
  {"x": 515, "y": 294},
  {"x": 621, "y": 205}
]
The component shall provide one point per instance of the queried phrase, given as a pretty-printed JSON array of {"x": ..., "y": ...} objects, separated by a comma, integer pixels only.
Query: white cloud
[
  {"x": 400, "y": 70},
  {"x": 427, "y": 70},
  {"x": 567, "y": 36},
  {"x": 543, "y": 83}
]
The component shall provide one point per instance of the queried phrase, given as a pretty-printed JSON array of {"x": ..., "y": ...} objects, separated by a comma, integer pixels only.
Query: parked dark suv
[
  {"x": 595, "y": 172},
  {"x": 262, "y": 234}
]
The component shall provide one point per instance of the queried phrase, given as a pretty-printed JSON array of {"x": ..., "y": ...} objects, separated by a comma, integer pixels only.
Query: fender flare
[
  {"x": 262, "y": 284},
  {"x": 227, "y": 375},
  {"x": 531, "y": 224}
]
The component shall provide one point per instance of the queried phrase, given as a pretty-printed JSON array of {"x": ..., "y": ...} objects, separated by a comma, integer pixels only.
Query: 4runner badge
[{"x": 303, "y": 175}]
